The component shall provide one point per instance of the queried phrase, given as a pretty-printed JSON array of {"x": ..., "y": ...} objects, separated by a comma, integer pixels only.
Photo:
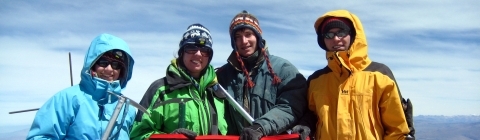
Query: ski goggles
[
  {"x": 192, "y": 49},
  {"x": 104, "y": 62},
  {"x": 340, "y": 34}
]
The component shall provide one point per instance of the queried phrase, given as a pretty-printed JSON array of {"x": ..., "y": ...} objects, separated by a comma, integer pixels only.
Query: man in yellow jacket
[{"x": 354, "y": 97}]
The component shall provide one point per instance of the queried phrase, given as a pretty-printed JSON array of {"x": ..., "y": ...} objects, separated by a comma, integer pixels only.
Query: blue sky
[{"x": 432, "y": 47}]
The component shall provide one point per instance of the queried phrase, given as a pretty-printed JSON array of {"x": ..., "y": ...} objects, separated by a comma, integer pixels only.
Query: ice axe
[
  {"x": 217, "y": 88},
  {"x": 120, "y": 103}
]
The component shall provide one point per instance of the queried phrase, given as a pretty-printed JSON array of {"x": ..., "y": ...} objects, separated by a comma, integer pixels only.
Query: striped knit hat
[{"x": 246, "y": 20}]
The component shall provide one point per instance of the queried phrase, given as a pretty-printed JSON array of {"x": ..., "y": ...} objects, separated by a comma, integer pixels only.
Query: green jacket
[
  {"x": 275, "y": 107},
  {"x": 165, "y": 117}
]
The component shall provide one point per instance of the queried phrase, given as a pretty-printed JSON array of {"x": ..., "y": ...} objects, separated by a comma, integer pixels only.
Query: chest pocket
[
  {"x": 264, "y": 95},
  {"x": 362, "y": 91}
]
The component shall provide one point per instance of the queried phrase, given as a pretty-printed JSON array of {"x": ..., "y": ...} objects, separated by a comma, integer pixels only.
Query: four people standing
[{"x": 353, "y": 97}]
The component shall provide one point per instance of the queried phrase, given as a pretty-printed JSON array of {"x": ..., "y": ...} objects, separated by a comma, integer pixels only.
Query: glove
[
  {"x": 408, "y": 110},
  {"x": 254, "y": 132},
  {"x": 187, "y": 133},
  {"x": 302, "y": 130}
]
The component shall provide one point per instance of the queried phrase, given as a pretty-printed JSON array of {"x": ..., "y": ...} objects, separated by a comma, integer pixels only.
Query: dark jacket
[{"x": 275, "y": 107}]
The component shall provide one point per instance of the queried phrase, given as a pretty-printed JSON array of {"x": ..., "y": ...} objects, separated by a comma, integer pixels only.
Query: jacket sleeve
[
  {"x": 148, "y": 125},
  {"x": 52, "y": 119},
  {"x": 291, "y": 102},
  {"x": 144, "y": 125},
  {"x": 148, "y": 96},
  {"x": 391, "y": 110}
]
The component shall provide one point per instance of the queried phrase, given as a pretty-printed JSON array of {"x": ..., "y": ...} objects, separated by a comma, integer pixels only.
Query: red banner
[{"x": 220, "y": 137}]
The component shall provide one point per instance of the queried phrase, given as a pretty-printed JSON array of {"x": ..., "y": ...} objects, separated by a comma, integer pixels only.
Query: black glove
[
  {"x": 302, "y": 130},
  {"x": 408, "y": 110},
  {"x": 187, "y": 133},
  {"x": 254, "y": 132}
]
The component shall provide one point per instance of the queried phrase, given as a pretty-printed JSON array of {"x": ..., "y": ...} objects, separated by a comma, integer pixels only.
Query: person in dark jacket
[
  {"x": 181, "y": 102},
  {"x": 83, "y": 111},
  {"x": 269, "y": 88}
]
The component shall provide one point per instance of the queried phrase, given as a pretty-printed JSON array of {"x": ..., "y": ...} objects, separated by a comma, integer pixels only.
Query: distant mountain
[
  {"x": 438, "y": 127},
  {"x": 465, "y": 127},
  {"x": 14, "y": 132}
]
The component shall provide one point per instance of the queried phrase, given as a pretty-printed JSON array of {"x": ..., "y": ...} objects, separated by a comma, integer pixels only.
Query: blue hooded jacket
[{"x": 84, "y": 110}]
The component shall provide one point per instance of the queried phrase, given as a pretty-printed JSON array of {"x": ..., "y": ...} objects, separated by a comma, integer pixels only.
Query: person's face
[
  {"x": 195, "y": 59},
  {"x": 106, "y": 69},
  {"x": 337, "y": 40},
  {"x": 245, "y": 42}
]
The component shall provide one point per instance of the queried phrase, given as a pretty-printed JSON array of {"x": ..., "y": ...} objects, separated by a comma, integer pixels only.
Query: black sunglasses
[
  {"x": 192, "y": 49},
  {"x": 341, "y": 33},
  {"x": 104, "y": 63}
]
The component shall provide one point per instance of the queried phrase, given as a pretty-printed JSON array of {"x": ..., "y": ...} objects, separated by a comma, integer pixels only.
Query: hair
[{"x": 275, "y": 81}]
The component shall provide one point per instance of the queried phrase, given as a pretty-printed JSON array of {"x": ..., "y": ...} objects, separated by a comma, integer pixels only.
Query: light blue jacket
[{"x": 84, "y": 110}]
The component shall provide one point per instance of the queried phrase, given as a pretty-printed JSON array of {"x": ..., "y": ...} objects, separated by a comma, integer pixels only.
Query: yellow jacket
[{"x": 353, "y": 97}]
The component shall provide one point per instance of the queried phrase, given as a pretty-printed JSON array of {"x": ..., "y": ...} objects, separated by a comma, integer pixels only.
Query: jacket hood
[
  {"x": 356, "y": 57},
  {"x": 97, "y": 86}
]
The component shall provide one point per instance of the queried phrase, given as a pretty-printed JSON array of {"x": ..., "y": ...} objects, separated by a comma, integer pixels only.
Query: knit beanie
[
  {"x": 196, "y": 34},
  {"x": 246, "y": 20},
  {"x": 334, "y": 22}
]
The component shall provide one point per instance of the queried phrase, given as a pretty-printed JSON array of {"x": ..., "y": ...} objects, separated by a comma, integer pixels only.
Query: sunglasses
[
  {"x": 192, "y": 49},
  {"x": 340, "y": 34},
  {"x": 104, "y": 63}
]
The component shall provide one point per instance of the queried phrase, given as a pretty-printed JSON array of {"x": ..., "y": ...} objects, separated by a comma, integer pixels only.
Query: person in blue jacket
[{"x": 84, "y": 110}]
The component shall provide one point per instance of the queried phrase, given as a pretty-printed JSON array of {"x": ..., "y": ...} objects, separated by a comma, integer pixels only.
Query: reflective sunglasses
[
  {"x": 340, "y": 34},
  {"x": 104, "y": 63},
  {"x": 192, "y": 49}
]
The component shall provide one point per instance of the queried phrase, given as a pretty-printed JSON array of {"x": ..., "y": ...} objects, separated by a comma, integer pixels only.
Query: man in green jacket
[
  {"x": 181, "y": 102},
  {"x": 268, "y": 87}
]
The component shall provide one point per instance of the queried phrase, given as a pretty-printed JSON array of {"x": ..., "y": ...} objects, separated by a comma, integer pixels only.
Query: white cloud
[{"x": 432, "y": 47}]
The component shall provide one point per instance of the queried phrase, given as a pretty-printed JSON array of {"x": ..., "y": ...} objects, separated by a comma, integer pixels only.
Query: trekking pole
[
  {"x": 21, "y": 111},
  {"x": 219, "y": 89}
]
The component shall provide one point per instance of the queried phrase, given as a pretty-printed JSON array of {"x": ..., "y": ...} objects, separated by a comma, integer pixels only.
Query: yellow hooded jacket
[{"x": 353, "y": 97}]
